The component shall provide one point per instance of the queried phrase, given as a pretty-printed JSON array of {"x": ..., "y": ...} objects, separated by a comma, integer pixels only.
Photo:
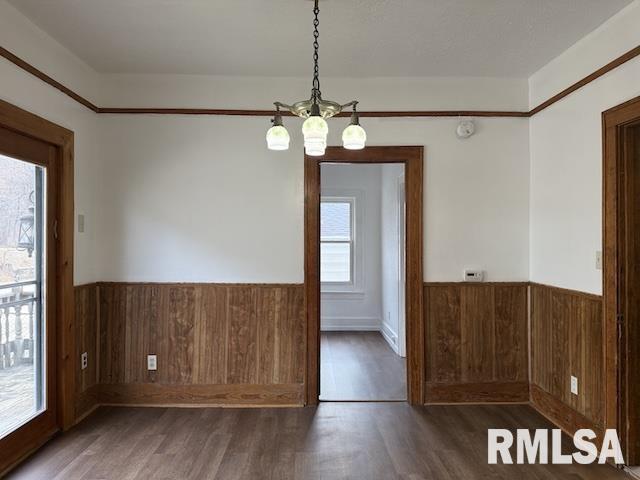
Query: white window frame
[{"x": 351, "y": 200}]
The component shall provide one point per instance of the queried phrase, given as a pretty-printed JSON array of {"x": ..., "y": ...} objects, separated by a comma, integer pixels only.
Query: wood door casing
[
  {"x": 412, "y": 158},
  {"x": 621, "y": 234},
  {"x": 630, "y": 295},
  {"x": 33, "y": 139}
]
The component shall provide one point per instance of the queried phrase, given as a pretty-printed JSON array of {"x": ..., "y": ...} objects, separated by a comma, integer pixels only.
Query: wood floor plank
[
  {"x": 332, "y": 441},
  {"x": 360, "y": 366}
]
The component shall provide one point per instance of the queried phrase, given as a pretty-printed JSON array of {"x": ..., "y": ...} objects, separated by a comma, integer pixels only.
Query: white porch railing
[{"x": 17, "y": 323}]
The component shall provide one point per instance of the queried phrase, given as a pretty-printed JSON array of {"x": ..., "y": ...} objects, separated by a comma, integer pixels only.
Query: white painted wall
[
  {"x": 359, "y": 308},
  {"x": 390, "y": 252},
  {"x": 25, "y": 91},
  {"x": 247, "y": 202},
  {"x": 566, "y": 154},
  {"x": 179, "y": 198}
]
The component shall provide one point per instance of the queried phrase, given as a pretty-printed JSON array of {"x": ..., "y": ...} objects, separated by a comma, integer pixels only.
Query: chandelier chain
[{"x": 315, "y": 92}]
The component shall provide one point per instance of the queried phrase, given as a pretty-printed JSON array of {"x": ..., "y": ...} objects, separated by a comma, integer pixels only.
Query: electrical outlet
[
  {"x": 152, "y": 362},
  {"x": 574, "y": 385},
  {"x": 84, "y": 360},
  {"x": 599, "y": 260}
]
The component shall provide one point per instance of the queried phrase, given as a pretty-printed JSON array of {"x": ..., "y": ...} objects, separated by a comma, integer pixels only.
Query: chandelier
[{"x": 316, "y": 111}]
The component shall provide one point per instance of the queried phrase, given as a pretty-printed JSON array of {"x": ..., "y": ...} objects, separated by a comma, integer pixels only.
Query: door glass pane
[{"x": 21, "y": 308}]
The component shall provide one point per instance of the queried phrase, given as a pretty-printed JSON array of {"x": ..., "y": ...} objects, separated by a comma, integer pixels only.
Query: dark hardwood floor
[
  {"x": 360, "y": 366},
  {"x": 385, "y": 441}
]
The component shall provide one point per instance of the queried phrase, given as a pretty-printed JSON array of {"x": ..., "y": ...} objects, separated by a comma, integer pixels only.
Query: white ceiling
[{"x": 510, "y": 38}]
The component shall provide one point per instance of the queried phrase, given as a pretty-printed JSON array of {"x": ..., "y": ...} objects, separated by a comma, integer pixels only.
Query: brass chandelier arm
[
  {"x": 352, "y": 103},
  {"x": 283, "y": 105}
]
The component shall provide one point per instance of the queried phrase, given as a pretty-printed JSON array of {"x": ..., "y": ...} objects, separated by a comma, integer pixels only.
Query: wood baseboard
[
  {"x": 485, "y": 392},
  {"x": 559, "y": 413},
  {"x": 86, "y": 402},
  {"x": 154, "y": 394}
]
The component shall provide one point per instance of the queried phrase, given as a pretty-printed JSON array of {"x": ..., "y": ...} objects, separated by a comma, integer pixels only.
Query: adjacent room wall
[
  {"x": 357, "y": 308},
  {"x": 390, "y": 253}
]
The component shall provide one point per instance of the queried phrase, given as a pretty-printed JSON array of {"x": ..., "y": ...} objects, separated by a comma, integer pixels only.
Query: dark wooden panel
[
  {"x": 210, "y": 354},
  {"x": 229, "y": 395},
  {"x": 477, "y": 334},
  {"x": 478, "y": 392},
  {"x": 511, "y": 334},
  {"x": 443, "y": 333},
  {"x": 182, "y": 317},
  {"x": 86, "y": 332},
  {"x": 290, "y": 366},
  {"x": 242, "y": 361},
  {"x": 113, "y": 314},
  {"x": 561, "y": 310},
  {"x": 561, "y": 414},
  {"x": 476, "y": 341},
  {"x": 566, "y": 340},
  {"x": 205, "y": 335}
]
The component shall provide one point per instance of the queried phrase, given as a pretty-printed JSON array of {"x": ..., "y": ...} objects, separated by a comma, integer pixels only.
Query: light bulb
[
  {"x": 354, "y": 137},
  {"x": 278, "y": 138}
]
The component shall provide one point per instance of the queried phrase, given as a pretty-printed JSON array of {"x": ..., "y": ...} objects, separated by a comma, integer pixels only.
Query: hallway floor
[{"x": 360, "y": 366}]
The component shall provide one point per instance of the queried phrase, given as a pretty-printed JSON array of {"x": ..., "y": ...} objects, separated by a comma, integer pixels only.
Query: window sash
[{"x": 328, "y": 240}]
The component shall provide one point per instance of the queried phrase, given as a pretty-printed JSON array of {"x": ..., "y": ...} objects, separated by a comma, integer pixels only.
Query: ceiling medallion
[{"x": 316, "y": 111}]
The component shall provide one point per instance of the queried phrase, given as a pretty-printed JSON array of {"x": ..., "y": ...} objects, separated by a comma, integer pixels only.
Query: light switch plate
[
  {"x": 574, "y": 385},
  {"x": 599, "y": 260},
  {"x": 152, "y": 362},
  {"x": 84, "y": 360},
  {"x": 81, "y": 223}
]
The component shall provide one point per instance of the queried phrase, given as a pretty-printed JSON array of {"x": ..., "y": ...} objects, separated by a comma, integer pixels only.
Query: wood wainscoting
[
  {"x": 216, "y": 344},
  {"x": 476, "y": 342},
  {"x": 566, "y": 340},
  {"x": 86, "y": 333}
]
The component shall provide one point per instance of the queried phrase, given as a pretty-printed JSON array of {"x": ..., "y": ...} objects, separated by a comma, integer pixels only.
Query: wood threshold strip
[{"x": 622, "y": 59}]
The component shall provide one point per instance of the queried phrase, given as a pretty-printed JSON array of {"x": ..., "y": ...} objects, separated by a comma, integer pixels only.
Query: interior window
[{"x": 336, "y": 240}]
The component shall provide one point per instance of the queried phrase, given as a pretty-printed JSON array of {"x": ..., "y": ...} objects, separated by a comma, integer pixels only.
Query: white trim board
[
  {"x": 350, "y": 324},
  {"x": 390, "y": 336}
]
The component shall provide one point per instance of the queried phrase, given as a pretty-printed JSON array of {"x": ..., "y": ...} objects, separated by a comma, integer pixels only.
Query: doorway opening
[
  {"x": 621, "y": 277},
  {"x": 37, "y": 357},
  {"x": 372, "y": 348},
  {"x": 362, "y": 347}
]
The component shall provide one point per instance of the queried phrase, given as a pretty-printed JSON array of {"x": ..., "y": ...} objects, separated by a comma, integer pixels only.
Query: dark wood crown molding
[
  {"x": 622, "y": 59},
  {"x": 27, "y": 67}
]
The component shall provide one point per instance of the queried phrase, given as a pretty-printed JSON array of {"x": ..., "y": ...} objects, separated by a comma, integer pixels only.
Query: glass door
[
  {"x": 27, "y": 297},
  {"x": 22, "y": 383}
]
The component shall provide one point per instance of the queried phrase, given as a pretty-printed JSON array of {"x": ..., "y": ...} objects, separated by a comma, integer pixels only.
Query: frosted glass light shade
[
  {"x": 354, "y": 137},
  {"x": 315, "y": 149},
  {"x": 315, "y": 131},
  {"x": 278, "y": 138}
]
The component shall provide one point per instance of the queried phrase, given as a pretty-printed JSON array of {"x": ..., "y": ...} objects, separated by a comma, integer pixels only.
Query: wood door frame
[
  {"x": 61, "y": 140},
  {"x": 412, "y": 158},
  {"x": 616, "y": 332}
]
